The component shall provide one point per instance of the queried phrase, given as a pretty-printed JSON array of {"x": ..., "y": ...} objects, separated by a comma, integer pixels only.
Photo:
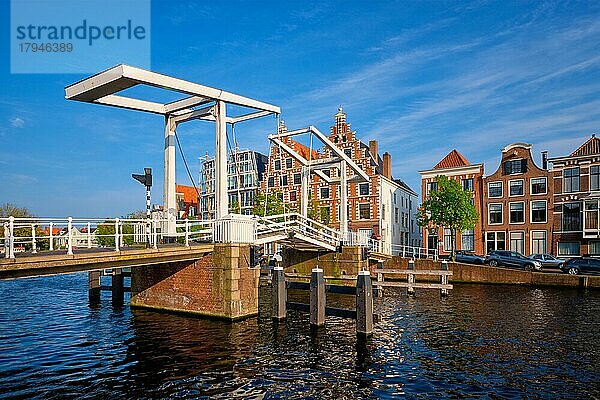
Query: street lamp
[{"x": 146, "y": 180}]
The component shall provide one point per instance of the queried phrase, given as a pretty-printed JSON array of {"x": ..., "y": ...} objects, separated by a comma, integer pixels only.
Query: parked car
[
  {"x": 574, "y": 266},
  {"x": 467, "y": 257},
  {"x": 547, "y": 260},
  {"x": 512, "y": 259}
]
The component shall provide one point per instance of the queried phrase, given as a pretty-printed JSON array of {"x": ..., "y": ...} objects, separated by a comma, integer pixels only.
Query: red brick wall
[
  {"x": 532, "y": 172},
  {"x": 218, "y": 285}
]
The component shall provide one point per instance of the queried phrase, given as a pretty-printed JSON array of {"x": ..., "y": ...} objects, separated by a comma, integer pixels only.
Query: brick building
[
  {"x": 470, "y": 176},
  {"x": 187, "y": 201},
  {"x": 576, "y": 184},
  {"x": 518, "y": 203},
  {"x": 383, "y": 206}
]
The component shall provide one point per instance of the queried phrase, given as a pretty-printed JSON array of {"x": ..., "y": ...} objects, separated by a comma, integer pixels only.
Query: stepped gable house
[
  {"x": 576, "y": 183},
  {"x": 518, "y": 203},
  {"x": 455, "y": 166},
  {"x": 382, "y": 207}
]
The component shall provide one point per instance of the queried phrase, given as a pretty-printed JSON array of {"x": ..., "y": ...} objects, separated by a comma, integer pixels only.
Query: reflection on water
[{"x": 496, "y": 341}]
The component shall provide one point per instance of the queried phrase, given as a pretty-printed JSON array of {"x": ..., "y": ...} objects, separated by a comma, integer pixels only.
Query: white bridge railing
[
  {"x": 297, "y": 223},
  {"x": 71, "y": 234},
  {"x": 20, "y": 235}
]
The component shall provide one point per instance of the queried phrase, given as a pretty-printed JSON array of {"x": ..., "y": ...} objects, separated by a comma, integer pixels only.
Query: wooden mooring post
[
  {"x": 279, "y": 293},
  {"x": 363, "y": 293},
  {"x": 117, "y": 287},
  {"x": 411, "y": 278},
  {"x": 364, "y": 303},
  {"x": 444, "y": 280},
  {"x": 317, "y": 297},
  {"x": 94, "y": 286}
]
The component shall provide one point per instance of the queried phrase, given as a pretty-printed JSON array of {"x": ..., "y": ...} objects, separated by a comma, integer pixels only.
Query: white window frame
[
  {"x": 358, "y": 214},
  {"x": 524, "y": 218},
  {"x": 513, "y": 160},
  {"x": 531, "y": 185},
  {"x": 531, "y": 211},
  {"x": 522, "y": 186},
  {"x": 501, "y": 212},
  {"x": 510, "y": 239},
  {"x": 495, "y": 240},
  {"x": 321, "y": 193},
  {"x": 564, "y": 183},
  {"x": 545, "y": 241},
  {"x": 501, "y": 190},
  {"x": 590, "y": 178},
  {"x": 462, "y": 235}
]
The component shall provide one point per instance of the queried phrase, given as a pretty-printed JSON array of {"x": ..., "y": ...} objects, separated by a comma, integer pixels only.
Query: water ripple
[{"x": 481, "y": 341}]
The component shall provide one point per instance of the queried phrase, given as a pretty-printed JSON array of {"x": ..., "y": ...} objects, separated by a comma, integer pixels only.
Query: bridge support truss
[{"x": 199, "y": 102}]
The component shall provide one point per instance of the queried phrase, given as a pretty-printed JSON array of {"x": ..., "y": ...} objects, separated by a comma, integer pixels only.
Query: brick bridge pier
[{"x": 221, "y": 284}]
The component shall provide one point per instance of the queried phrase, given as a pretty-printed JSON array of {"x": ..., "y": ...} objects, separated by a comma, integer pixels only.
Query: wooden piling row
[
  {"x": 117, "y": 287},
  {"x": 317, "y": 308}
]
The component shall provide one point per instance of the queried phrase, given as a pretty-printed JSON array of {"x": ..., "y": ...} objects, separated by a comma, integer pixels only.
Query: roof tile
[
  {"x": 590, "y": 147},
  {"x": 453, "y": 159}
]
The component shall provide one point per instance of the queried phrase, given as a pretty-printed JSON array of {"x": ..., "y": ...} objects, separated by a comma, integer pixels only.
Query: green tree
[
  {"x": 234, "y": 207},
  {"x": 105, "y": 234},
  {"x": 274, "y": 204},
  {"x": 449, "y": 206},
  {"x": 139, "y": 214},
  {"x": 11, "y": 210}
]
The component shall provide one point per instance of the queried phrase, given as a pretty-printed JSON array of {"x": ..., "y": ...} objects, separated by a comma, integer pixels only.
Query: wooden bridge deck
[{"x": 90, "y": 260}]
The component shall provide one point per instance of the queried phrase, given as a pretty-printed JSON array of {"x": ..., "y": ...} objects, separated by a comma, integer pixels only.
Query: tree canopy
[
  {"x": 274, "y": 204},
  {"x": 449, "y": 206}
]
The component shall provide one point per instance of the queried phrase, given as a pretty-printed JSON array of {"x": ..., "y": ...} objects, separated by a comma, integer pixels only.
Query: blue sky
[{"x": 422, "y": 78}]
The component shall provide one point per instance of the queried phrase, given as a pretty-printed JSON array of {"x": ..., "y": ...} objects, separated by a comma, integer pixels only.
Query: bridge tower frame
[{"x": 199, "y": 103}]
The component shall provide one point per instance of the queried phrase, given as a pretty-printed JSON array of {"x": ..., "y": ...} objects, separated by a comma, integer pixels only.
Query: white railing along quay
[{"x": 385, "y": 247}]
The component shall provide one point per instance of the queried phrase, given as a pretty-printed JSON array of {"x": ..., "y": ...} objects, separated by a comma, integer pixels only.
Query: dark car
[
  {"x": 468, "y": 257},
  {"x": 575, "y": 266},
  {"x": 511, "y": 259},
  {"x": 547, "y": 260}
]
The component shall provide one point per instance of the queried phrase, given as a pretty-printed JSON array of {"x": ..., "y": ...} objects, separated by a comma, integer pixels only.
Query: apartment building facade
[
  {"x": 455, "y": 166},
  {"x": 245, "y": 169},
  {"x": 518, "y": 202},
  {"x": 372, "y": 205},
  {"x": 576, "y": 187}
]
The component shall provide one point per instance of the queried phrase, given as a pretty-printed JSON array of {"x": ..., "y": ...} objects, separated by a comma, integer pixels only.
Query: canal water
[{"x": 482, "y": 341}]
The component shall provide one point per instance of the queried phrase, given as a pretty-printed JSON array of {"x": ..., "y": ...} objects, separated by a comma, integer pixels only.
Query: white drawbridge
[{"x": 297, "y": 231}]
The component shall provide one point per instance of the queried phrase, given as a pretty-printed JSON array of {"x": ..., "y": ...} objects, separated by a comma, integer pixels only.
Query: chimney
[
  {"x": 387, "y": 165},
  {"x": 544, "y": 160},
  {"x": 373, "y": 149}
]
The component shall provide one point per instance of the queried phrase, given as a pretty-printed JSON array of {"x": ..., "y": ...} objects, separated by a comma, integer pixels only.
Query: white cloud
[{"x": 17, "y": 122}]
